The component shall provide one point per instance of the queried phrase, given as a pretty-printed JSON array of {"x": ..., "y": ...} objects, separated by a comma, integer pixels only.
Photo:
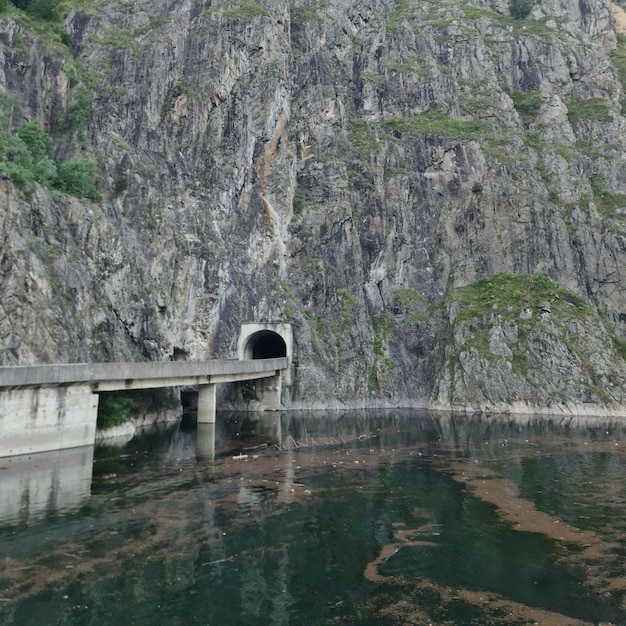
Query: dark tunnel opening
[{"x": 268, "y": 346}]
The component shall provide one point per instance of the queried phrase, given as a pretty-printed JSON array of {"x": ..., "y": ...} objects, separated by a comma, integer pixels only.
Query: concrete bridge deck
[
  {"x": 144, "y": 375},
  {"x": 51, "y": 407}
]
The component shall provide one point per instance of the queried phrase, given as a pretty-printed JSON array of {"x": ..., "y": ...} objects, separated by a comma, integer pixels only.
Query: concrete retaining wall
[{"x": 40, "y": 419}]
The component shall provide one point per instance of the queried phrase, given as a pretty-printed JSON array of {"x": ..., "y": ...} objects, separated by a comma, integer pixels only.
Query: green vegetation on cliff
[
  {"x": 440, "y": 123},
  {"x": 512, "y": 334},
  {"x": 26, "y": 157},
  {"x": 520, "y": 8},
  {"x": 113, "y": 410},
  {"x": 47, "y": 10},
  {"x": 117, "y": 407},
  {"x": 44, "y": 17},
  {"x": 509, "y": 294},
  {"x": 26, "y": 152}
]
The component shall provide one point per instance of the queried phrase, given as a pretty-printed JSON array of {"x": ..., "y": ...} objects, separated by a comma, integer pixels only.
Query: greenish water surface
[{"x": 340, "y": 518}]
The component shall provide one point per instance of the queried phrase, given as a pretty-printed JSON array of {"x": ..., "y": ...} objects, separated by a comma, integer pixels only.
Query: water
[{"x": 356, "y": 518}]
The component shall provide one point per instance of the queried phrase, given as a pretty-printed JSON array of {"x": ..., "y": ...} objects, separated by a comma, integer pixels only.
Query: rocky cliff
[{"x": 432, "y": 193}]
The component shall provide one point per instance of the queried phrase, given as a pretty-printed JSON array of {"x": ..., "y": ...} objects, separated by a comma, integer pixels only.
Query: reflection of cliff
[
  {"x": 34, "y": 486},
  {"x": 289, "y": 533}
]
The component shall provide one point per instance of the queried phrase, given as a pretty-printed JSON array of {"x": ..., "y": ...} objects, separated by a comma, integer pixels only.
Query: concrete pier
[{"x": 206, "y": 404}]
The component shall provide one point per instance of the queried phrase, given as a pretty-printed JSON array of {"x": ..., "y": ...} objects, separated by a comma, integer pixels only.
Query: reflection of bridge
[{"x": 50, "y": 407}]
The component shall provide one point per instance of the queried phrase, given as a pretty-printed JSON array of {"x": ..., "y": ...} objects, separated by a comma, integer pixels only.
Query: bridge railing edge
[{"x": 73, "y": 373}]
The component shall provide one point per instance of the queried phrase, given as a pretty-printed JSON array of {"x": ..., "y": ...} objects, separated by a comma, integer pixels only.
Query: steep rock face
[
  {"x": 520, "y": 341},
  {"x": 343, "y": 166}
]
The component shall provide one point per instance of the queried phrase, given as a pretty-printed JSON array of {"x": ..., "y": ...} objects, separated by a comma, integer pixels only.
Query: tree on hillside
[
  {"x": 520, "y": 8},
  {"x": 43, "y": 9}
]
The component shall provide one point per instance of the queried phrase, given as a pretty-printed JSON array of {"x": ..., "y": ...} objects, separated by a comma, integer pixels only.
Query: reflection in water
[
  {"x": 33, "y": 486},
  {"x": 339, "y": 518},
  {"x": 205, "y": 442}
]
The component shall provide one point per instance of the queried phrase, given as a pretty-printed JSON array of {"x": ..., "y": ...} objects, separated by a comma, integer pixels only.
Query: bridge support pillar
[{"x": 206, "y": 403}]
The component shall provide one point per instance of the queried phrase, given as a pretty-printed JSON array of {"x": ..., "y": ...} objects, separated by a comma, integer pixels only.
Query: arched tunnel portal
[
  {"x": 265, "y": 344},
  {"x": 266, "y": 341}
]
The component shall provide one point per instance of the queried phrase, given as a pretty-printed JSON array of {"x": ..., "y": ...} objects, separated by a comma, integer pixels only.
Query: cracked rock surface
[{"x": 344, "y": 166}]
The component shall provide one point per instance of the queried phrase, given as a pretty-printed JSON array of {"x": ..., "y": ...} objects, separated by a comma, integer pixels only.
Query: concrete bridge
[{"x": 51, "y": 407}]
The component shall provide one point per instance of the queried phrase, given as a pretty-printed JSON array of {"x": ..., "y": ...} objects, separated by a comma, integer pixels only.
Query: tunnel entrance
[
  {"x": 267, "y": 345},
  {"x": 266, "y": 340}
]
